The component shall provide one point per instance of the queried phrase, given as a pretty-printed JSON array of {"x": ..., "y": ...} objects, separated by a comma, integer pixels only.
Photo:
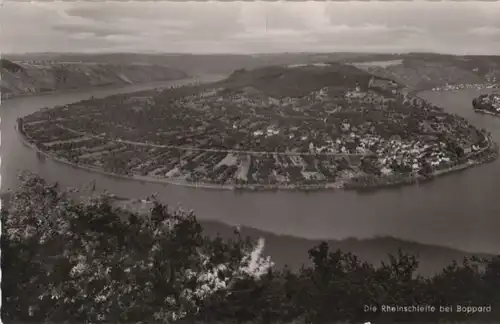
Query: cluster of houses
[
  {"x": 490, "y": 103},
  {"x": 461, "y": 86}
]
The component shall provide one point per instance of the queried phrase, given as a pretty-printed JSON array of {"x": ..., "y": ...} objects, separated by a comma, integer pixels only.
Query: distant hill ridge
[
  {"x": 33, "y": 77},
  {"x": 425, "y": 71},
  {"x": 418, "y": 70}
]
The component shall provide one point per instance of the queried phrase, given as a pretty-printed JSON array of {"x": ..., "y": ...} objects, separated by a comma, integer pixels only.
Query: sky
[{"x": 240, "y": 27}]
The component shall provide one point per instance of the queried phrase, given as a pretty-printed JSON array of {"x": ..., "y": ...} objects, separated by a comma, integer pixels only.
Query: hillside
[
  {"x": 23, "y": 78},
  {"x": 425, "y": 71},
  {"x": 301, "y": 80},
  {"x": 417, "y": 70},
  {"x": 10, "y": 66}
]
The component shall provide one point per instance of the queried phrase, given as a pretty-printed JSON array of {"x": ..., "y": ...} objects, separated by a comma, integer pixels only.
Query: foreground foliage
[{"x": 68, "y": 261}]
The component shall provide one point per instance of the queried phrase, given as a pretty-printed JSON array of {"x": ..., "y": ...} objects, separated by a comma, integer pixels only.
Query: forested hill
[
  {"x": 31, "y": 77},
  {"x": 416, "y": 70},
  {"x": 300, "y": 80},
  {"x": 424, "y": 71}
]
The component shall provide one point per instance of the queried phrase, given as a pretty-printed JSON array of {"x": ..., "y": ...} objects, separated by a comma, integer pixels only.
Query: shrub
[{"x": 69, "y": 261}]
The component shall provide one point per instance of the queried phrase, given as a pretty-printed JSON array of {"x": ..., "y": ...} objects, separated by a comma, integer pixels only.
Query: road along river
[{"x": 460, "y": 210}]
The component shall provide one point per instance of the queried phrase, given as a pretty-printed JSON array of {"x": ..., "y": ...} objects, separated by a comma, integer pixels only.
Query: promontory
[{"x": 313, "y": 126}]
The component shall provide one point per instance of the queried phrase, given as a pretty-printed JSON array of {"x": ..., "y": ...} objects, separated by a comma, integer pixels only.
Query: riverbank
[
  {"x": 368, "y": 183},
  {"x": 399, "y": 181},
  {"x": 160, "y": 83},
  {"x": 57, "y": 92},
  {"x": 458, "y": 87},
  {"x": 486, "y": 112}
]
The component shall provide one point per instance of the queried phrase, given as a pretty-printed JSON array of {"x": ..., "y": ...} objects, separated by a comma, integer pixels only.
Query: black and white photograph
[{"x": 253, "y": 162}]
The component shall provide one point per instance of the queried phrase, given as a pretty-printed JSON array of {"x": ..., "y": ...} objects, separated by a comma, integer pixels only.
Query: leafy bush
[{"x": 69, "y": 261}]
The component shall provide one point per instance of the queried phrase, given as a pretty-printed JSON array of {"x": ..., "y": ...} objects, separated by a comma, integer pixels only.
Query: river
[{"x": 460, "y": 210}]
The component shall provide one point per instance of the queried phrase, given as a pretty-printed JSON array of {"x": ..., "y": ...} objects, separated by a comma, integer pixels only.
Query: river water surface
[{"x": 460, "y": 210}]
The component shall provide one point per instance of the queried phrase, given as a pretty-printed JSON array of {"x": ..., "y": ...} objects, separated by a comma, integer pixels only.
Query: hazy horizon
[
  {"x": 241, "y": 54},
  {"x": 450, "y": 27}
]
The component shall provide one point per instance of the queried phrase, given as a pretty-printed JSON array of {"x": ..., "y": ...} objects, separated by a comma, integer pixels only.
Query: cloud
[
  {"x": 486, "y": 31},
  {"x": 250, "y": 27},
  {"x": 98, "y": 31}
]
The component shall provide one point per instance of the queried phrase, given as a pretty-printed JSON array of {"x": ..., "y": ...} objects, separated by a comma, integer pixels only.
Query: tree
[
  {"x": 66, "y": 261},
  {"x": 88, "y": 261}
]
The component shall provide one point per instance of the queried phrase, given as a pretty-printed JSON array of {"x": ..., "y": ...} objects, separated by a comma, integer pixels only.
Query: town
[
  {"x": 461, "y": 86},
  {"x": 487, "y": 103},
  {"x": 235, "y": 135}
]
